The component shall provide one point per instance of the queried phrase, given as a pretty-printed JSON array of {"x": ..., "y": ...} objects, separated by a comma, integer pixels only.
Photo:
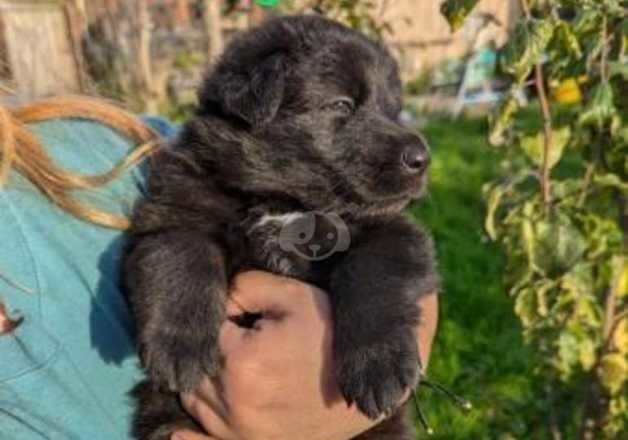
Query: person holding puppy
[{"x": 69, "y": 175}]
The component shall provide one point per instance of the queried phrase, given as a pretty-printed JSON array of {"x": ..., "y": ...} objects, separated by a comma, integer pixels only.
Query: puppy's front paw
[
  {"x": 376, "y": 377},
  {"x": 177, "y": 358}
]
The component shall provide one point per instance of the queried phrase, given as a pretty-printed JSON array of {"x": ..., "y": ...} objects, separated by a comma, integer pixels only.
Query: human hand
[{"x": 277, "y": 380}]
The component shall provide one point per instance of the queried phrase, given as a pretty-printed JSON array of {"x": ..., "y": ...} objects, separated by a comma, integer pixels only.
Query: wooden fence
[
  {"x": 39, "y": 38},
  {"x": 422, "y": 38},
  {"x": 37, "y": 52}
]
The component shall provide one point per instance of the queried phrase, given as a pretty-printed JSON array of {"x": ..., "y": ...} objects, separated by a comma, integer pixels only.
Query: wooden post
[
  {"x": 81, "y": 11},
  {"x": 144, "y": 28},
  {"x": 112, "y": 6},
  {"x": 76, "y": 23},
  {"x": 213, "y": 28}
]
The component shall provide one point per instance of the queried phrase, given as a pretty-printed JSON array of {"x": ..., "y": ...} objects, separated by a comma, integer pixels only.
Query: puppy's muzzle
[{"x": 415, "y": 157}]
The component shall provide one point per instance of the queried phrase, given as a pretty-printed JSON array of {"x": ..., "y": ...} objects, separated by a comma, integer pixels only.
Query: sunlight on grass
[{"x": 479, "y": 353}]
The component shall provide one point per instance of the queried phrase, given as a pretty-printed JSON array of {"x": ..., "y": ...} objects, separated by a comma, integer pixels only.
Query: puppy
[{"x": 295, "y": 163}]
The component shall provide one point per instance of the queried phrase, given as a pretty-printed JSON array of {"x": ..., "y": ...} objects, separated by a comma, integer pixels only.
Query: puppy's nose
[{"x": 415, "y": 158}]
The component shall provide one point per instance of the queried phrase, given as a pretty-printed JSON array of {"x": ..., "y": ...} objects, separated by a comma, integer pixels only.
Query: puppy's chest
[{"x": 304, "y": 245}]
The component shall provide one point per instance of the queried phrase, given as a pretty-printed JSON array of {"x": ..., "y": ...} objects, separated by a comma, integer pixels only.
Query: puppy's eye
[{"x": 343, "y": 106}]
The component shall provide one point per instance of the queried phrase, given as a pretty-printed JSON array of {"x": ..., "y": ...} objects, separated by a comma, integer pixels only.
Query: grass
[{"x": 479, "y": 352}]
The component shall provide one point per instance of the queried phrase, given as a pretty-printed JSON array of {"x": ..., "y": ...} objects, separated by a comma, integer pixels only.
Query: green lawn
[{"x": 479, "y": 352}]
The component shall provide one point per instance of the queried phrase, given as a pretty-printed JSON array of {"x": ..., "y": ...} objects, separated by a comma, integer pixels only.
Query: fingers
[
  {"x": 190, "y": 435},
  {"x": 7, "y": 325},
  {"x": 276, "y": 297},
  {"x": 253, "y": 289},
  {"x": 427, "y": 326},
  {"x": 208, "y": 407}
]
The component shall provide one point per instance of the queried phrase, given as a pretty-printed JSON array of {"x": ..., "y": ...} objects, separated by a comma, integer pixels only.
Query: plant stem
[
  {"x": 547, "y": 136},
  {"x": 596, "y": 397},
  {"x": 544, "y": 170},
  {"x": 604, "y": 56},
  {"x": 611, "y": 300},
  {"x": 554, "y": 425}
]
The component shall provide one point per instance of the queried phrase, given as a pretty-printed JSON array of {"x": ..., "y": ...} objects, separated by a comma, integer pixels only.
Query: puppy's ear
[{"x": 253, "y": 96}]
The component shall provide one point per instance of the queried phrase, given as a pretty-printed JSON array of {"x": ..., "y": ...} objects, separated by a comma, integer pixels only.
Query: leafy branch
[
  {"x": 539, "y": 82},
  {"x": 566, "y": 237}
]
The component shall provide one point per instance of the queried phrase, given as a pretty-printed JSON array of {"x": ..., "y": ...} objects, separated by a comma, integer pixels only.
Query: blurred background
[
  {"x": 534, "y": 327},
  {"x": 150, "y": 54}
]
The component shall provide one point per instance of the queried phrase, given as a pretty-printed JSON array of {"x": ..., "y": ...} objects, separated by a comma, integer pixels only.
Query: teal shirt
[{"x": 66, "y": 371}]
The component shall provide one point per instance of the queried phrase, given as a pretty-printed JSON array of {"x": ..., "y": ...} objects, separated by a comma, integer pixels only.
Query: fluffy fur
[{"x": 298, "y": 116}]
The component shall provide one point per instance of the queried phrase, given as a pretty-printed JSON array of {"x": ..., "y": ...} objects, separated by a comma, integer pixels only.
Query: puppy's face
[{"x": 319, "y": 108}]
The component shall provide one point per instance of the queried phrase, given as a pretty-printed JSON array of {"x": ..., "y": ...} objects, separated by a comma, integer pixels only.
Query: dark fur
[{"x": 271, "y": 138}]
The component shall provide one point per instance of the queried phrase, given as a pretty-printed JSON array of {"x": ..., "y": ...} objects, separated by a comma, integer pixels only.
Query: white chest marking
[{"x": 281, "y": 219}]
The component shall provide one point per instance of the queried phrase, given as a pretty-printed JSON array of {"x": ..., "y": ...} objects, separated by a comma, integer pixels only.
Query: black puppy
[{"x": 295, "y": 163}]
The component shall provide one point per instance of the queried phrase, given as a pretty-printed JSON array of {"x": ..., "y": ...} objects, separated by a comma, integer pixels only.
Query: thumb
[{"x": 186, "y": 434}]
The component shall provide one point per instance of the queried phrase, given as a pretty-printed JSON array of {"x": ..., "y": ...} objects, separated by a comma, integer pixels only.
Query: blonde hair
[{"x": 21, "y": 151}]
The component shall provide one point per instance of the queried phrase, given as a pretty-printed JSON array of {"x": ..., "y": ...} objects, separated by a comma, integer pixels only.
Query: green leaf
[
  {"x": 533, "y": 146},
  {"x": 553, "y": 246},
  {"x": 568, "y": 353},
  {"x": 613, "y": 371},
  {"x": 587, "y": 21},
  {"x": 620, "y": 336},
  {"x": 587, "y": 354},
  {"x": 525, "y": 47},
  {"x": 600, "y": 108},
  {"x": 526, "y": 307},
  {"x": 610, "y": 180},
  {"x": 618, "y": 68},
  {"x": 577, "y": 346},
  {"x": 542, "y": 289},
  {"x": 618, "y": 406},
  {"x": 577, "y": 283},
  {"x": 492, "y": 203},
  {"x": 620, "y": 277},
  {"x": 455, "y": 11},
  {"x": 586, "y": 309},
  {"x": 614, "y": 7},
  {"x": 604, "y": 236},
  {"x": 617, "y": 424},
  {"x": 568, "y": 39},
  {"x": 500, "y": 121}
]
